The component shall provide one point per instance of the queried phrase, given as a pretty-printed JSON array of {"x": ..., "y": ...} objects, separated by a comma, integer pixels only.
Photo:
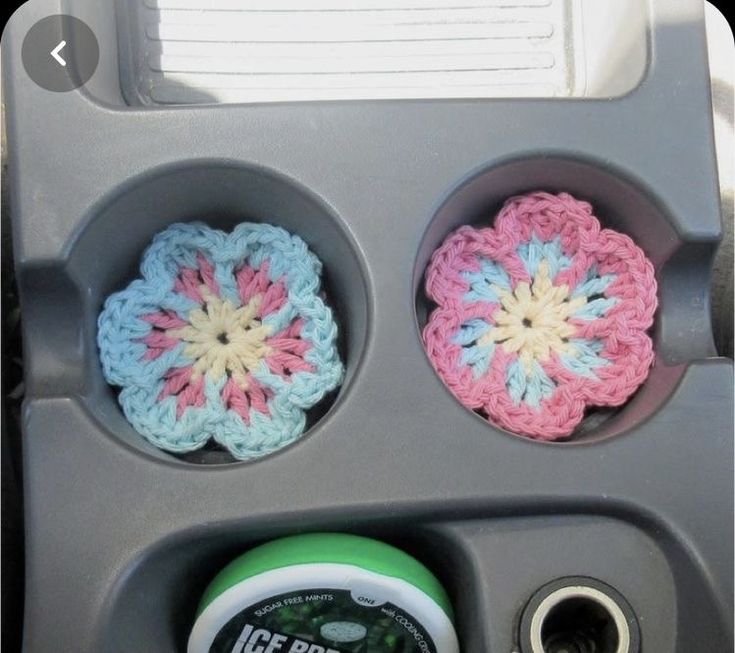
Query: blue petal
[
  {"x": 474, "y": 355},
  {"x": 529, "y": 387},
  {"x": 594, "y": 284},
  {"x": 596, "y": 308},
  {"x": 540, "y": 386},
  {"x": 515, "y": 380},
  {"x": 470, "y": 332},
  {"x": 535, "y": 251},
  {"x": 224, "y": 274},
  {"x": 478, "y": 358},
  {"x": 483, "y": 282},
  {"x": 585, "y": 359}
]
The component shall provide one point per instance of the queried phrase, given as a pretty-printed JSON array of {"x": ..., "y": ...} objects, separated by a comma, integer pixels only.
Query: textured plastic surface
[{"x": 122, "y": 539}]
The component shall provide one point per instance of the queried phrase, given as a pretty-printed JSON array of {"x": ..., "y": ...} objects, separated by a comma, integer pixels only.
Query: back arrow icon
[{"x": 55, "y": 53}]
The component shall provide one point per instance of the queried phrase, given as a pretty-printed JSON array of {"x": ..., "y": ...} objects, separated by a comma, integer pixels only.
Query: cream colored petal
[
  {"x": 198, "y": 318},
  {"x": 182, "y": 333},
  {"x": 523, "y": 298},
  {"x": 567, "y": 330},
  {"x": 542, "y": 286},
  {"x": 542, "y": 321},
  {"x": 536, "y": 343},
  {"x": 241, "y": 380},
  {"x": 527, "y": 361},
  {"x": 237, "y": 366},
  {"x": 207, "y": 295},
  {"x": 506, "y": 299},
  {"x": 495, "y": 335},
  {"x": 217, "y": 366},
  {"x": 572, "y": 306},
  {"x": 502, "y": 318},
  {"x": 514, "y": 344},
  {"x": 246, "y": 314},
  {"x": 196, "y": 350},
  {"x": 200, "y": 367}
]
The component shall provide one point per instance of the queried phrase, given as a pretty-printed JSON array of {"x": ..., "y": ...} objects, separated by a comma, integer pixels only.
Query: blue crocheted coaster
[{"x": 225, "y": 336}]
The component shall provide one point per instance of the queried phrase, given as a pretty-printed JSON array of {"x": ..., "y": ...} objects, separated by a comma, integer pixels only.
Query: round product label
[{"x": 322, "y": 621}]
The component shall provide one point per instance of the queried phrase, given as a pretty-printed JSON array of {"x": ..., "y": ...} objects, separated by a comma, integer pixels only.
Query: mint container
[{"x": 324, "y": 593}]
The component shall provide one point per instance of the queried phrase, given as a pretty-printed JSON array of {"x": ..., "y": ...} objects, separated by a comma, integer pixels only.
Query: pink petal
[
  {"x": 244, "y": 277},
  {"x": 258, "y": 396},
  {"x": 176, "y": 379},
  {"x": 188, "y": 283},
  {"x": 235, "y": 398},
  {"x": 191, "y": 395},
  {"x": 206, "y": 272},
  {"x": 273, "y": 299},
  {"x": 164, "y": 319},
  {"x": 295, "y": 346},
  {"x": 159, "y": 340}
]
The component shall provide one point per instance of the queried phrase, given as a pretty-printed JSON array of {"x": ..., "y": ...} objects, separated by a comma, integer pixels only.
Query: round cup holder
[
  {"x": 221, "y": 194},
  {"x": 619, "y": 205}
]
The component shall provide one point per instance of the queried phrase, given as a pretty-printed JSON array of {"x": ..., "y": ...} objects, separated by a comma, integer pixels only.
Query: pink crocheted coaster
[{"x": 541, "y": 315}]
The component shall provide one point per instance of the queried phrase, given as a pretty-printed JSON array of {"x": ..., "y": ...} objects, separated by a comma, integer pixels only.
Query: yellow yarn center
[
  {"x": 223, "y": 338},
  {"x": 533, "y": 319}
]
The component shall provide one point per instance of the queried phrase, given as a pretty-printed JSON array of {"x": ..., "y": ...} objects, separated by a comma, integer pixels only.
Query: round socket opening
[
  {"x": 579, "y": 624},
  {"x": 578, "y": 618}
]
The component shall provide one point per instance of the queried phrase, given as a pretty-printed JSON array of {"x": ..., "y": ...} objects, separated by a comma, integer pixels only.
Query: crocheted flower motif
[
  {"x": 225, "y": 337},
  {"x": 541, "y": 315}
]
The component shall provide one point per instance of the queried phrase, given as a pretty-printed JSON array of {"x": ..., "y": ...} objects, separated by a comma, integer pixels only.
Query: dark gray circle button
[{"x": 60, "y": 53}]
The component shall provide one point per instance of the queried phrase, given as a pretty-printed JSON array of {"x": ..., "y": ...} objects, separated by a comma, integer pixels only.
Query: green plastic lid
[{"x": 340, "y": 548}]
